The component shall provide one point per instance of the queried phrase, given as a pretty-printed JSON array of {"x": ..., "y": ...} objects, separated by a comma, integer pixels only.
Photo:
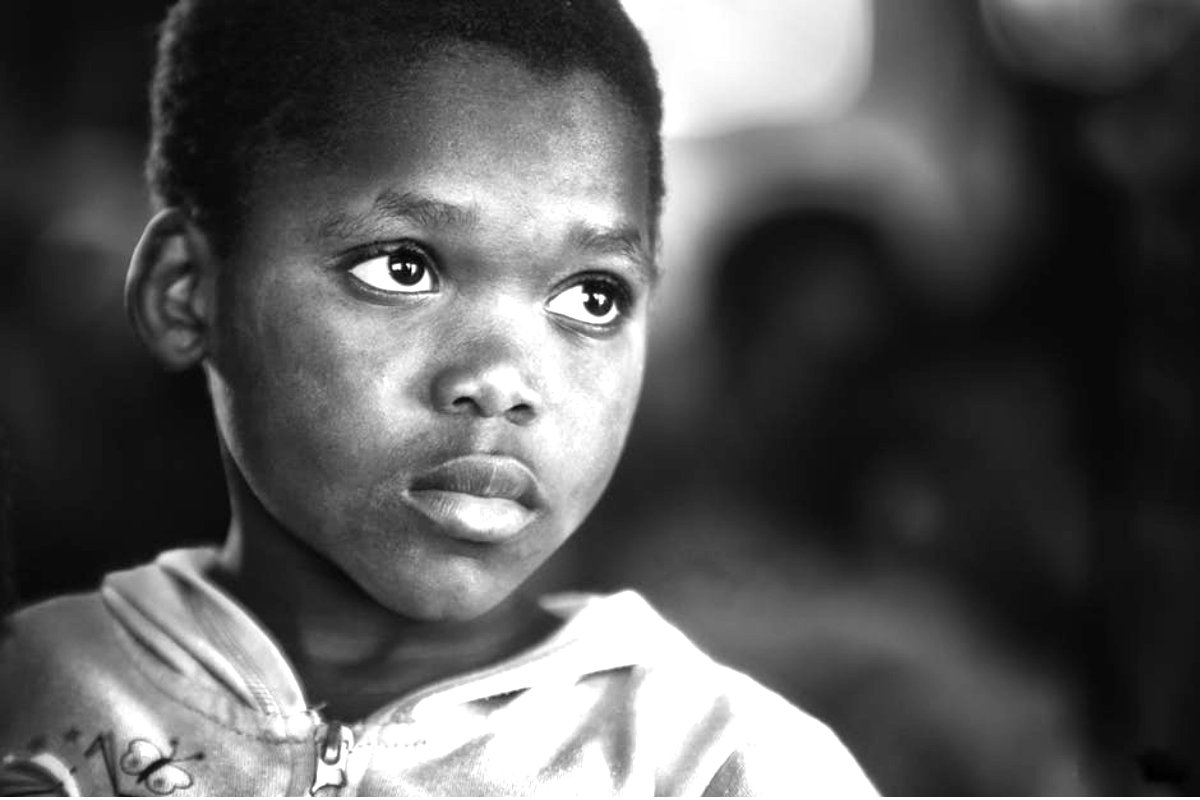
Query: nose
[{"x": 488, "y": 380}]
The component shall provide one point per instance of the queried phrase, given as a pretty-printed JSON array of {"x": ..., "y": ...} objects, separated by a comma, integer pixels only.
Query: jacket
[{"x": 161, "y": 684}]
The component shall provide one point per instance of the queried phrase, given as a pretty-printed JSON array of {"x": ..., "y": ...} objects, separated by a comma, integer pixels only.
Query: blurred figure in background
[{"x": 1122, "y": 77}]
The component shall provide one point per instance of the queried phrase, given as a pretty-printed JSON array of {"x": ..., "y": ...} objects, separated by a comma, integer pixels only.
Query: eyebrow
[
  {"x": 624, "y": 241},
  {"x": 425, "y": 212}
]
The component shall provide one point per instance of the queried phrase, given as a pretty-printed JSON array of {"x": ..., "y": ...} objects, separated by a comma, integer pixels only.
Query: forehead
[
  {"x": 479, "y": 103},
  {"x": 460, "y": 82},
  {"x": 475, "y": 130}
]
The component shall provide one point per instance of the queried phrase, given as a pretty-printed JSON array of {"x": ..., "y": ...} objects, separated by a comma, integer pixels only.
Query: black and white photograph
[{"x": 600, "y": 398}]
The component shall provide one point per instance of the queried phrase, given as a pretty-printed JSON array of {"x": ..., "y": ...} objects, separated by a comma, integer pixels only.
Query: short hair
[{"x": 236, "y": 79}]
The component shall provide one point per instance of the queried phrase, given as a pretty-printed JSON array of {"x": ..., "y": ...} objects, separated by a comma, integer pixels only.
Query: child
[{"x": 412, "y": 245}]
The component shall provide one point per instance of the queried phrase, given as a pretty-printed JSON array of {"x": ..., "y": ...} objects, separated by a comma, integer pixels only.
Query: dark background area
[{"x": 918, "y": 446}]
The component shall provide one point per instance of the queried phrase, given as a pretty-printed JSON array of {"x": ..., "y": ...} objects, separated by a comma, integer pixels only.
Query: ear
[{"x": 169, "y": 291}]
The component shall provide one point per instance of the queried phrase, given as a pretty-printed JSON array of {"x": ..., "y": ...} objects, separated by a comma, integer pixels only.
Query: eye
[
  {"x": 594, "y": 301},
  {"x": 407, "y": 269}
]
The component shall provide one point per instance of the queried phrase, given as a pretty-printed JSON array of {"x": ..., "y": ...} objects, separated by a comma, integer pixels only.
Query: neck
[{"x": 351, "y": 653}]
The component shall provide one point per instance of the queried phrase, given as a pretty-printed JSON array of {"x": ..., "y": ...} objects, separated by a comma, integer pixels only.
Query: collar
[{"x": 204, "y": 639}]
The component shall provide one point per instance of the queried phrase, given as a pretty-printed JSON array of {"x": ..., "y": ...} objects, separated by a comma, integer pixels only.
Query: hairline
[{"x": 267, "y": 145}]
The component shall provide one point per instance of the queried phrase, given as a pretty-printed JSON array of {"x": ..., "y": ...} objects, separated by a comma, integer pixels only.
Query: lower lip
[{"x": 486, "y": 520}]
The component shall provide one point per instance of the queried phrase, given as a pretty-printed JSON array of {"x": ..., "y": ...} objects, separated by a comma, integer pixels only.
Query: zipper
[
  {"x": 332, "y": 756},
  {"x": 332, "y": 751}
]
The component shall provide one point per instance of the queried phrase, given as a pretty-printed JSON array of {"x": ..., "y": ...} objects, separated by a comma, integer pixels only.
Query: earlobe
[{"x": 168, "y": 292}]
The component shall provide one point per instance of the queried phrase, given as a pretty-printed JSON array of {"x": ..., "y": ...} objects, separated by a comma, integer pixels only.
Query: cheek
[
  {"x": 302, "y": 398},
  {"x": 602, "y": 396}
]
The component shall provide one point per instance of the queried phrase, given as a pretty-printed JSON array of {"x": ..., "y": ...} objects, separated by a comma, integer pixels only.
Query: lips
[{"x": 479, "y": 498}]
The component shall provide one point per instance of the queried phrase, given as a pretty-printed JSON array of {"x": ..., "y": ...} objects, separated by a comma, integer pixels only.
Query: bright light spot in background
[
  {"x": 1097, "y": 45},
  {"x": 730, "y": 64}
]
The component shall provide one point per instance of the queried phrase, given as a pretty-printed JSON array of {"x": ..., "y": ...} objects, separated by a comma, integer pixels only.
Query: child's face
[{"x": 430, "y": 338}]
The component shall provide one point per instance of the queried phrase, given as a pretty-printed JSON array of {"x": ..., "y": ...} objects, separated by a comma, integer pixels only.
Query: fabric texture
[{"x": 161, "y": 684}]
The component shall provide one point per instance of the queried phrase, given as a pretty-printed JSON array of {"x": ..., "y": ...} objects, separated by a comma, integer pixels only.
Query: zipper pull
[{"x": 333, "y": 753}]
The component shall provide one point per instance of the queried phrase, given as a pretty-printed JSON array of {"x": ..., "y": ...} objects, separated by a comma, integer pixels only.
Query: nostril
[
  {"x": 464, "y": 405},
  {"x": 521, "y": 414},
  {"x": 496, "y": 390}
]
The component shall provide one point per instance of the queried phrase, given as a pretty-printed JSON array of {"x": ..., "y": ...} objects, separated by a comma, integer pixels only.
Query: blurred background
[{"x": 919, "y": 444}]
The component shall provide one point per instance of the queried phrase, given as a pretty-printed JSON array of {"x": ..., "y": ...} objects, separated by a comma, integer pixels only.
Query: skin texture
[{"x": 332, "y": 397}]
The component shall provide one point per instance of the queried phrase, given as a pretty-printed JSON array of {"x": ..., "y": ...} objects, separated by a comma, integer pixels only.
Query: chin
[
  {"x": 450, "y": 592},
  {"x": 454, "y": 608}
]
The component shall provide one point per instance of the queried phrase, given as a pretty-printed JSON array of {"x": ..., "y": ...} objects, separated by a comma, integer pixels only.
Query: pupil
[
  {"x": 406, "y": 269},
  {"x": 598, "y": 302}
]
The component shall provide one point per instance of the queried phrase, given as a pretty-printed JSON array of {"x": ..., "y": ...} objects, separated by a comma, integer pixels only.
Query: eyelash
[
  {"x": 357, "y": 258},
  {"x": 622, "y": 295}
]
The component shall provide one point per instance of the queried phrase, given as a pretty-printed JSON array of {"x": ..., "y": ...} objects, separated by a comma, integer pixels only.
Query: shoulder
[
  {"x": 51, "y": 653},
  {"x": 778, "y": 748},
  {"x": 713, "y": 729},
  {"x": 40, "y": 634},
  {"x": 764, "y": 743}
]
